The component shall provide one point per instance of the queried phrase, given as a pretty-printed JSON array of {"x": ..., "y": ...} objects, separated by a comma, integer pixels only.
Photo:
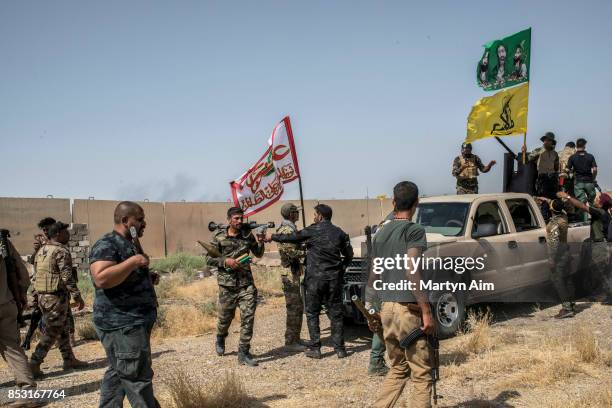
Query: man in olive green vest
[
  {"x": 465, "y": 170},
  {"x": 55, "y": 286}
]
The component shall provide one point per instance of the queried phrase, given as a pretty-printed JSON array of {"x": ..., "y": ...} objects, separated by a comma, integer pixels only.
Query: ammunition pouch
[{"x": 47, "y": 279}]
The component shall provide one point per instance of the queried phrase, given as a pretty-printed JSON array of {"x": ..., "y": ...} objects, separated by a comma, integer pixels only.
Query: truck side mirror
[
  {"x": 485, "y": 230},
  {"x": 374, "y": 228}
]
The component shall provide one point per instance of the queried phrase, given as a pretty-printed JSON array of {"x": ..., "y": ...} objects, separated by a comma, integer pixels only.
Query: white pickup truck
[{"x": 507, "y": 227}]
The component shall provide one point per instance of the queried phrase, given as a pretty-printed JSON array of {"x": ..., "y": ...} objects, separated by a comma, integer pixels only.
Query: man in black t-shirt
[
  {"x": 583, "y": 165},
  {"x": 124, "y": 311}
]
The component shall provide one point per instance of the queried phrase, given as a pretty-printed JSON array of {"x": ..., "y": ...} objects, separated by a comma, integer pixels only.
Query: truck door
[
  {"x": 503, "y": 257},
  {"x": 531, "y": 239}
]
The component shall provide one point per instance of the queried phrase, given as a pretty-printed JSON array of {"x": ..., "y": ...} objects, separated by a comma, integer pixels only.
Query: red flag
[{"x": 262, "y": 184}]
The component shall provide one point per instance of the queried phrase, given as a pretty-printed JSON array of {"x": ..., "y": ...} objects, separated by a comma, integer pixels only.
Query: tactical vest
[
  {"x": 471, "y": 171},
  {"x": 546, "y": 162},
  {"x": 47, "y": 279}
]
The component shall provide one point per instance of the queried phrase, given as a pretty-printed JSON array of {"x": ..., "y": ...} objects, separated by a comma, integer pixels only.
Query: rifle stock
[{"x": 371, "y": 316}]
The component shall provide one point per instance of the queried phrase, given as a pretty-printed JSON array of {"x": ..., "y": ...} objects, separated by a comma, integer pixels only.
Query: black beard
[{"x": 517, "y": 60}]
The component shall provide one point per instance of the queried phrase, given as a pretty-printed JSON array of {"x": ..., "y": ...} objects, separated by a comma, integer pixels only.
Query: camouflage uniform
[
  {"x": 558, "y": 255},
  {"x": 54, "y": 285},
  {"x": 547, "y": 161},
  {"x": 123, "y": 317},
  {"x": 236, "y": 288},
  {"x": 291, "y": 255},
  {"x": 568, "y": 179},
  {"x": 467, "y": 181}
]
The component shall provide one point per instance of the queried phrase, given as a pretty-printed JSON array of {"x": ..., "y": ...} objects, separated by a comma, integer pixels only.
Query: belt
[{"x": 599, "y": 240}]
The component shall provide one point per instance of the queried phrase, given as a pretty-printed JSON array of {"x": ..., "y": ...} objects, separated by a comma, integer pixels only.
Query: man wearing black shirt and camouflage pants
[
  {"x": 124, "y": 311},
  {"x": 585, "y": 168}
]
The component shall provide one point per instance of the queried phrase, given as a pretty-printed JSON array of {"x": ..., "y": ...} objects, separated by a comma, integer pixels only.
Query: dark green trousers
[{"x": 129, "y": 373}]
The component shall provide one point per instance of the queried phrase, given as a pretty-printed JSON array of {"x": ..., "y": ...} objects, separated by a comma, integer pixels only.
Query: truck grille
[{"x": 355, "y": 271}]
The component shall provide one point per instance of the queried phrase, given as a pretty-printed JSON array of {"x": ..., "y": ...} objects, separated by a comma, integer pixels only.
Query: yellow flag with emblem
[{"x": 503, "y": 114}]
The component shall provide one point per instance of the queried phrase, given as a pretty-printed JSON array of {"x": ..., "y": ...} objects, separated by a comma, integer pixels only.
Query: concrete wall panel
[
  {"x": 98, "y": 215},
  {"x": 20, "y": 216}
]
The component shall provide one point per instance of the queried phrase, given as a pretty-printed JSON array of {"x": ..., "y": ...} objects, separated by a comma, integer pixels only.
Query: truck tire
[{"x": 449, "y": 313}]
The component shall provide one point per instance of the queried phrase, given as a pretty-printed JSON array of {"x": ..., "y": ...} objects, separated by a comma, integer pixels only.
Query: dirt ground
[{"x": 524, "y": 358}]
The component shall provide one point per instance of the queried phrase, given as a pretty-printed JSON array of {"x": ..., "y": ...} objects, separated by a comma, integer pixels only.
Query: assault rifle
[
  {"x": 12, "y": 274},
  {"x": 433, "y": 343},
  {"x": 371, "y": 316}
]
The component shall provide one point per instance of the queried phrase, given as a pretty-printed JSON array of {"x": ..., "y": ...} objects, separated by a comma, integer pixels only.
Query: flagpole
[
  {"x": 302, "y": 201},
  {"x": 525, "y": 146},
  {"x": 297, "y": 167}
]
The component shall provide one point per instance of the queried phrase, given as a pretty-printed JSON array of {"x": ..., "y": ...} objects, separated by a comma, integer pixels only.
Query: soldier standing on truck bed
[
  {"x": 291, "y": 261},
  {"x": 584, "y": 167},
  {"x": 236, "y": 285},
  {"x": 465, "y": 169}
]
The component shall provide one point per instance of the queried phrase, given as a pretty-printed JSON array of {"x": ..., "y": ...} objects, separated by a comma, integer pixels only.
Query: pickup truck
[{"x": 507, "y": 227}]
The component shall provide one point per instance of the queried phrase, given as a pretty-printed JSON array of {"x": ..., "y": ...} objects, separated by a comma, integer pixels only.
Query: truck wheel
[{"x": 449, "y": 313}]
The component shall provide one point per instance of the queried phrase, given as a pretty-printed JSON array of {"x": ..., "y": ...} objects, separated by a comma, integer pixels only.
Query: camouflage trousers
[
  {"x": 467, "y": 186},
  {"x": 230, "y": 298},
  {"x": 55, "y": 315},
  {"x": 562, "y": 280},
  {"x": 294, "y": 304}
]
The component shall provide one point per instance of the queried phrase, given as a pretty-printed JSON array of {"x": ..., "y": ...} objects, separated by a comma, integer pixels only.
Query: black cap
[
  {"x": 56, "y": 228},
  {"x": 466, "y": 146}
]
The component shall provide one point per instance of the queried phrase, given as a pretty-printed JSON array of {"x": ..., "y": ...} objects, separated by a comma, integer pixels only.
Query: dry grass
[
  {"x": 227, "y": 392},
  {"x": 185, "y": 320},
  {"x": 479, "y": 337},
  {"x": 267, "y": 280},
  {"x": 85, "y": 329},
  {"x": 201, "y": 290},
  {"x": 586, "y": 344}
]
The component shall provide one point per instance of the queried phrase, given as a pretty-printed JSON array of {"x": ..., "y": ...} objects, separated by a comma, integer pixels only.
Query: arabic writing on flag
[{"x": 262, "y": 184}]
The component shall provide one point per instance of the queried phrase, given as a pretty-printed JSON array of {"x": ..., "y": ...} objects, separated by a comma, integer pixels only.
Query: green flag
[{"x": 505, "y": 62}]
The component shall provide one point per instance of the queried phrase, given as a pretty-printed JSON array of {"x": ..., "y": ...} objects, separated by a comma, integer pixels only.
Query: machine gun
[
  {"x": 433, "y": 343},
  {"x": 12, "y": 274}
]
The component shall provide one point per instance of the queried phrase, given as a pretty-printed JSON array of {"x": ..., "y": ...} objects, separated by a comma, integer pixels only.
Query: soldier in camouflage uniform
[
  {"x": 601, "y": 216},
  {"x": 291, "y": 260},
  {"x": 566, "y": 178},
  {"x": 236, "y": 285},
  {"x": 55, "y": 286},
  {"x": 124, "y": 310},
  {"x": 559, "y": 258},
  {"x": 465, "y": 169}
]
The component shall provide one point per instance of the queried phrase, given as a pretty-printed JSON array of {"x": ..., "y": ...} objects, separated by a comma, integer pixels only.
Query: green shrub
[{"x": 182, "y": 262}]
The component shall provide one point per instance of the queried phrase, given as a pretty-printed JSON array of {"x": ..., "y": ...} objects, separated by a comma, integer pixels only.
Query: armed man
[
  {"x": 584, "y": 167},
  {"x": 14, "y": 283},
  {"x": 404, "y": 311},
  {"x": 559, "y": 256},
  {"x": 236, "y": 286},
  {"x": 125, "y": 309},
  {"x": 55, "y": 286},
  {"x": 291, "y": 256},
  {"x": 601, "y": 218},
  {"x": 566, "y": 178},
  {"x": 329, "y": 251},
  {"x": 547, "y": 183},
  {"x": 465, "y": 169}
]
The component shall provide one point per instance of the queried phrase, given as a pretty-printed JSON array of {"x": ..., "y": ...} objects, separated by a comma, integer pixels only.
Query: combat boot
[
  {"x": 220, "y": 345},
  {"x": 35, "y": 369},
  {"x": 313, "y": 353},
  {"x": 341, "y": 353},
  {"x": 245, "y": 357},
  {"x": 378, "y": 370},
  {"x": 73, "y": 363},
  {"x": 295, "y": 347}
]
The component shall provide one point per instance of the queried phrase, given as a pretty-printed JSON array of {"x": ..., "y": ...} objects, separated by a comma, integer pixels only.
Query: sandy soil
[{"x": 512, "y": 370}]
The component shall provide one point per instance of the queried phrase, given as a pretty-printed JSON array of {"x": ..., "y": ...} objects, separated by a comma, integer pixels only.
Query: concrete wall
[
  {"x": 98, "y": 215},
  {"x": 171, "y": 227},
  {"x": 20, "y": 216}
]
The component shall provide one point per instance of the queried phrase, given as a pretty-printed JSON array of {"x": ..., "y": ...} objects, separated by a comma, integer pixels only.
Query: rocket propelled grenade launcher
[{"x": 241, "y": 255}]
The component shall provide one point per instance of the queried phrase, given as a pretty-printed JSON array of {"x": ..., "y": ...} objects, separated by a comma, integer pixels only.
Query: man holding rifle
[
  {"x": 125, "y": 309},
  {"x": 404, "y": 311},
  {"x": 236, "y": 285}
]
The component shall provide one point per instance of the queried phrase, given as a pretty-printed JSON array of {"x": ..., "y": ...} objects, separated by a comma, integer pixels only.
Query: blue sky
[{"x": 172, "y": 100}]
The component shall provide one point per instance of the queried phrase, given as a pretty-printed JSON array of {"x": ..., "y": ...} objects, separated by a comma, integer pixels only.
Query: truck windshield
[{"x": 442, "y": 218}]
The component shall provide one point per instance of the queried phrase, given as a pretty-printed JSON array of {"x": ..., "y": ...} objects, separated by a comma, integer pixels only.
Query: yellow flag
[{"x": 503, "y": 114}]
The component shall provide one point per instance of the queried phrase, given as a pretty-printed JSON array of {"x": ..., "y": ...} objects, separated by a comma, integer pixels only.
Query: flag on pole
[
  {"x": 505, "y": 62},
  {"x": 262, "y": 184},
  {"x": 503, "y": 114}
]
